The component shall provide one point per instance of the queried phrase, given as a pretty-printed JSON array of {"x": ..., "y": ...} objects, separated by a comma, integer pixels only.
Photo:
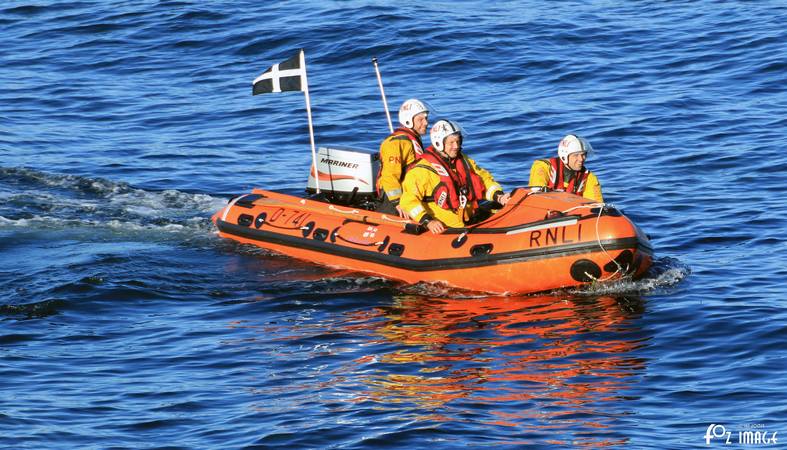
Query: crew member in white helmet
[
  {"x": 400, "y": 149},
  {"x": 567, "y": 171},
  {"x": 444, "y": 187}
]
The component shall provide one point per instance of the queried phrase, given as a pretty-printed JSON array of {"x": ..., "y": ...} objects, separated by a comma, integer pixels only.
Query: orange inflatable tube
[{"x": 538, "y": 242}]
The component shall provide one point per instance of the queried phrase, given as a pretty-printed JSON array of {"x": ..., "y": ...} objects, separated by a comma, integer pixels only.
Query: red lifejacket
[
  {"x": 418, "y": 147},
  {"x": 457, "y": 179},
  {"x": 576, "y": 185}
]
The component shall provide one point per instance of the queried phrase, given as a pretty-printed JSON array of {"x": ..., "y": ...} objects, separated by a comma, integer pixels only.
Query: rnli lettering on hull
[
  {"x": 549, "y": 236},
  {"x": 333, "y": 162}
]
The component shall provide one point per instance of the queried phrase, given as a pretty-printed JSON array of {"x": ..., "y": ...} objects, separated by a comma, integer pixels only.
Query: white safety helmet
[
  {"x": 572, "y": 144},
  {"x": 409, "y": 109},
  {"x": 441, "y": 130}
]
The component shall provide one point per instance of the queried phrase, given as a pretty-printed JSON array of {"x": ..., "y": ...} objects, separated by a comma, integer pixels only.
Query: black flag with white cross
[{"x": 286, "y": 76}]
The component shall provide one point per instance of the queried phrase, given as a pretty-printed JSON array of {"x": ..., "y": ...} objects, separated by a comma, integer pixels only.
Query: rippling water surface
[{"x": 125, "y": 322}]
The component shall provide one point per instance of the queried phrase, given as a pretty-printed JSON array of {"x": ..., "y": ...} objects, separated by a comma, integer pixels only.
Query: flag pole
[
  {"x": 311, "y": 128},
  {"x": 382, "y": 91}
]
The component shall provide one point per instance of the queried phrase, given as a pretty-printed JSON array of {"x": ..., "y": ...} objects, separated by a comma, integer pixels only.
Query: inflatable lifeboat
[{"x": 539, "y": 241}]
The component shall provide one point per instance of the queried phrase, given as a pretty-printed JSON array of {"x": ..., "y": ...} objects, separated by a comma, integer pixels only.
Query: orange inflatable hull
[{"x": 540, "y": 241}]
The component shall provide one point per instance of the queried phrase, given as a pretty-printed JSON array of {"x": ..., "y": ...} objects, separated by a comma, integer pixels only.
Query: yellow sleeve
[
  {"x": 489, "y": 182},
  {"x": 593, "y": 188},
  {"x": 539, "y": 173},
  {"x": 396, "y": 152},
  {"x": 415, "y": 187}
]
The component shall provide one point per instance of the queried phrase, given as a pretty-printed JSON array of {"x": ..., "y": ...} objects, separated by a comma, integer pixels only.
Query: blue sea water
[{"x": 125, "y": 322}]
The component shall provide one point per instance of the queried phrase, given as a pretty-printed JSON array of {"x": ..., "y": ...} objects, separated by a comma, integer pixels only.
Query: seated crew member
[
  {"x": 398, "y": 151},
  {"x": 444, "y": 187},
  {"x": 567, "y": 172}
]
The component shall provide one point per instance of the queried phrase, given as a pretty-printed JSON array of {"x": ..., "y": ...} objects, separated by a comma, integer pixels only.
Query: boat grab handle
[
  {"x": 414, "y": 228},
  {"x": 333, "y": 208}
]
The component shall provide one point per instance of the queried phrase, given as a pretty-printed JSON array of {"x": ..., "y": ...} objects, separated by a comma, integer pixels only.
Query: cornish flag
[{"x": 289, "y": 75}]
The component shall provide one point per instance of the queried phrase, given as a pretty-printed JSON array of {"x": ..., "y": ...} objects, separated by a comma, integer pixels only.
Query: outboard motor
[{"x": 346, "y": 176}]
